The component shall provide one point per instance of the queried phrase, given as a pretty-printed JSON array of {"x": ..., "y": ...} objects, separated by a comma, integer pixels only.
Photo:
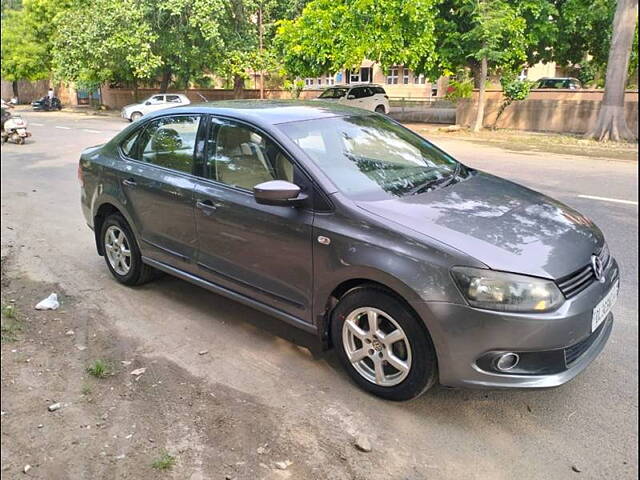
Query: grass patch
[
  {"x": 99, "y": 369},
  {"x": 164, "y": 462},
  {"x": 86, "y": 389},
  {"x": 10, "y": 324}
]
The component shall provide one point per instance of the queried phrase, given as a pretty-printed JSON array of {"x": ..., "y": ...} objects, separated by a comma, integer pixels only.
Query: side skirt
[{"x": 285, "y": 317}]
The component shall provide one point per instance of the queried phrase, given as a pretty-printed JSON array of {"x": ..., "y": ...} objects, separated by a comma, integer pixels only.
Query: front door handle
[
  {"x": 129, "y": 182},
  {"x": 206, "y": 206}
]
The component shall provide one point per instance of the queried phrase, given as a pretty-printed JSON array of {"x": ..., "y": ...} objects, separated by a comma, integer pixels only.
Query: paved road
[{"x": 590, "y": 423}]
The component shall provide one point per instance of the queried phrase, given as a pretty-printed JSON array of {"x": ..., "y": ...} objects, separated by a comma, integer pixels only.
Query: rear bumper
[{"x": 553, "y": 347}]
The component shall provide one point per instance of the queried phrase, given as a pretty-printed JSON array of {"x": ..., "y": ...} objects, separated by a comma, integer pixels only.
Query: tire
[
  {"x": 415, "y": 351},
  {"x": 20, "y": 141},
  {"x": 135, "y": 116},
  {"x": 380, "y": 109},
  {"x": 130, "y": 270}
]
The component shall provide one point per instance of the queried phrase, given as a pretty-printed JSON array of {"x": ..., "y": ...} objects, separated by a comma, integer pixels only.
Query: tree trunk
[
  {"x": 477, "y": 126},
  {"x": 238, "y": 86},
  {"x": 166, "y": 78},
  {"x": 14, "y": 87},
  {"x": 135, "y": 90},
  {"x": 611, "y": 123}
]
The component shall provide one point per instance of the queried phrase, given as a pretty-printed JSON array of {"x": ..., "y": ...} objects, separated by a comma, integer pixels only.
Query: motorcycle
[
  {"x": 14, "y": 128},
  {"x": 46, "y": 104}
]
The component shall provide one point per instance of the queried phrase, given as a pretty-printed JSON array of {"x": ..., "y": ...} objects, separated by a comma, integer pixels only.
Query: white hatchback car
[
  {"x": 369, "y": 97},
  {"x": 136, "y": 111}
]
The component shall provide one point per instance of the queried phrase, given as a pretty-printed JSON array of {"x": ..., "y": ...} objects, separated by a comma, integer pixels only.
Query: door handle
[
  {"x": 129, "y": 182},
  {"x": 206, "y": 206}
]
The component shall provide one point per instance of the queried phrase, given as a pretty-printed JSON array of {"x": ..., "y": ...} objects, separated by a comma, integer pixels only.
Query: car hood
[{"x": 500, "y": 223}]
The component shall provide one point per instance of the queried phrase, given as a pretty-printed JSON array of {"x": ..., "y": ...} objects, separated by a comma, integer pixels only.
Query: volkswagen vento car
[{"x": 414, "y": 267}]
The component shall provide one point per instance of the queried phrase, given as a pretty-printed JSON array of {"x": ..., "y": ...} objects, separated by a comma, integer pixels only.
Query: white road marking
[
  {"x": 37, "y": 124},
  {"x": 91, "y": 131},
  {"x": 63, "y": 128},
  {"x": 606, "y": 199}
]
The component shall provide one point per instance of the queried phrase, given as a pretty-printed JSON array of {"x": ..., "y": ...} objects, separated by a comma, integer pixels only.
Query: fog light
[{"x": 507, "y": 361}]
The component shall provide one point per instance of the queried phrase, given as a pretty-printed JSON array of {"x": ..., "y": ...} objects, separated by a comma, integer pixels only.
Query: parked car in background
[
  {"x": 344, "y": 223},
  {"x": 568, "y": 83},
  {"x": 136, "y": 111},
  {"x": 370, "y": 97},
  {"x": 46, "y": 104}
]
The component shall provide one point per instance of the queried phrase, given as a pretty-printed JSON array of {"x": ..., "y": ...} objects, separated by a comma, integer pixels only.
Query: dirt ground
[{"x": 119, "y": 425}]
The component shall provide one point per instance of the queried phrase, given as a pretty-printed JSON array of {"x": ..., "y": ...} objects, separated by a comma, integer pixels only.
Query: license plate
[{"x": 604, "y": 307}]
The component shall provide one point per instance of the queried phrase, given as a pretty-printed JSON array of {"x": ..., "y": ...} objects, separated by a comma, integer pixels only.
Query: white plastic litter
[{"x": 49, "y": 303}]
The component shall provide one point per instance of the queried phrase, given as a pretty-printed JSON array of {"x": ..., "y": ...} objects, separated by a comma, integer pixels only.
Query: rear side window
[
  {"x": 170, "y": 142},
  {"x": 378, "y": 90},
  {"x": 174, "y": 99},
  {"x": 128, "y": 145},
  {"x": 359, "y": 92}
]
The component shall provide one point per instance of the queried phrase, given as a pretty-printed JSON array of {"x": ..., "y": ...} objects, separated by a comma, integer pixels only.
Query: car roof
[{"x": 267, "y": 112}]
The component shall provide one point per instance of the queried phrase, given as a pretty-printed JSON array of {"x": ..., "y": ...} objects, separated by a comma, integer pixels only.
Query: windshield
[
  {"x": 334, "y": 93},
  {"x": 370, "y": 157}
]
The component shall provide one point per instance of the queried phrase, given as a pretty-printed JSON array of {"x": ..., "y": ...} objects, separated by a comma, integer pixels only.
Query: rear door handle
[
  {"x": 129, "y": 182},
  {"x": 206, "y": 206}
]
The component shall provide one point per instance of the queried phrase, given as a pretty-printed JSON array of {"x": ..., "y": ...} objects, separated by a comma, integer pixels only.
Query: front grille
[
  {"x": 573, "y": 284},
  {"x": 574, "y": 352}
]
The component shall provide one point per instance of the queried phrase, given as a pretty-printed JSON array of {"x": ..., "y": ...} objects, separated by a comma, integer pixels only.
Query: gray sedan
[{"x": 343, "y": 223}]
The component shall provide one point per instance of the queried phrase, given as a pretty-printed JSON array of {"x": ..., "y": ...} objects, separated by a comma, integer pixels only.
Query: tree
[
  {"x": 92, "y": 49},
  {"x": 27, "y": 31},
  {"x": 611, "y": 123},
  {"x": 331, "y": 35}
]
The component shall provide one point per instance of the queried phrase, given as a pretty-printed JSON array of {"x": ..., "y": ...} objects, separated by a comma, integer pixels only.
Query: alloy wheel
[
  {"x": 118, "y": 250},
  {"x": 376, "y": 346}
]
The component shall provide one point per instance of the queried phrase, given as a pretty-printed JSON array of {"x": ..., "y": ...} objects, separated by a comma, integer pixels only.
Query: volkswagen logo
[{"x": 598, "y": 268}]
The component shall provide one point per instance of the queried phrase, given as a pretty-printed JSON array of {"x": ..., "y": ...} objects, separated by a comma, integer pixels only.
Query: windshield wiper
[{"x": 439, "y": 182}]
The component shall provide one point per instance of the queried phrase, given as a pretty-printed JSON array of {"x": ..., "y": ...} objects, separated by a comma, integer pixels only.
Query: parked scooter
[{"x": 14, "y": 128}]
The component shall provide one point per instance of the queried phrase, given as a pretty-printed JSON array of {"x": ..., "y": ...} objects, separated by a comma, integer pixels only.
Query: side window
[
  {"x": 157, "y": 99},
  {"x": 129, "y": 143},
  {"x": 242, "y": 157},
  {"x": 170, "y": 142},
  {"x": 357, "y": 92},
  {"x": 173, "y": 99}
]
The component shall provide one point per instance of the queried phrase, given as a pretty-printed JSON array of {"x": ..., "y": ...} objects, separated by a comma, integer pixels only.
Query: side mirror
[
  {"x": 350, "y": 97},
  {"x": 147, "y": 103},
  {"x": 278, "y": 192}
]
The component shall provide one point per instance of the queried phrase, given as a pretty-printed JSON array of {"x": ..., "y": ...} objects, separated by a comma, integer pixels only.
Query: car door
[
  {"x": 359, "y": 97},
  {"x": 157, "y": 181},
  {"x": 261, "y": 251},
  {"x": 156, "y": 102}
]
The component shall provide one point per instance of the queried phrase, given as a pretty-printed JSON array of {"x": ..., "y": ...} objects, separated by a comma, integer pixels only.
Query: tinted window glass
[
  {"x": 371, "y": 157},
  {"x": 170, "y": 142},
  {"x": 334, "y": 93},
  {"x": 129, "y": 143},
  {"x": 359, "y": 92},
  {"x": 377, "y": 90},
  {"x": 242, "y": 157},
  {"x": 157, "y": 99},
  {"x": 173, "y": 99}
]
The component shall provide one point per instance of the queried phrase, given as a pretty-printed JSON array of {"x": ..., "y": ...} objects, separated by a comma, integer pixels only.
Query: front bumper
[{"x": 558, "y": 344}]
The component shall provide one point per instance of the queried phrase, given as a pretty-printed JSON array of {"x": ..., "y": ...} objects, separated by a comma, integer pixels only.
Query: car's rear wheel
[
  {"x": 380, "y": 109},
  {"x": 135, "y": 116},
  {"x": 121, "y": 252},
  {"x": 382, "y": 345}
]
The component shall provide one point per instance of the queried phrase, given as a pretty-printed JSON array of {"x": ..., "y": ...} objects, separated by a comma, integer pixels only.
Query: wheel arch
[
  {"x": 106, "y": 208},
  {"x": 393, "y": 287}
]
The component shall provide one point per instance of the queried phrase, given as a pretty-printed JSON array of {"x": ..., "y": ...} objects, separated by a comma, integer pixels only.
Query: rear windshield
[{"x": 334, "y": 93}]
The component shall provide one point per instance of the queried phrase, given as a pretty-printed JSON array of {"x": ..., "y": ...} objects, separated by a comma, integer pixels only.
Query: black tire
[
  {"x": 423, "y": 371},
  {"x": 380, "y": 109},
  {"x": 139, "y": 272}
]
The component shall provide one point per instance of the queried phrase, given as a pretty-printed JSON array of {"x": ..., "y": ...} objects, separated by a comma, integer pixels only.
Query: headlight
[{"x": 506, "y": 291}]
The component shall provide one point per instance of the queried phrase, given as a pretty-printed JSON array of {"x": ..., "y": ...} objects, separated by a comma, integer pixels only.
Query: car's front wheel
[
  {"x": 382, "y": 345},
  {"x": 135, "y": 116},
  {"x": 121, "y": 252},
  {"x": 380, "y": 109}
]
